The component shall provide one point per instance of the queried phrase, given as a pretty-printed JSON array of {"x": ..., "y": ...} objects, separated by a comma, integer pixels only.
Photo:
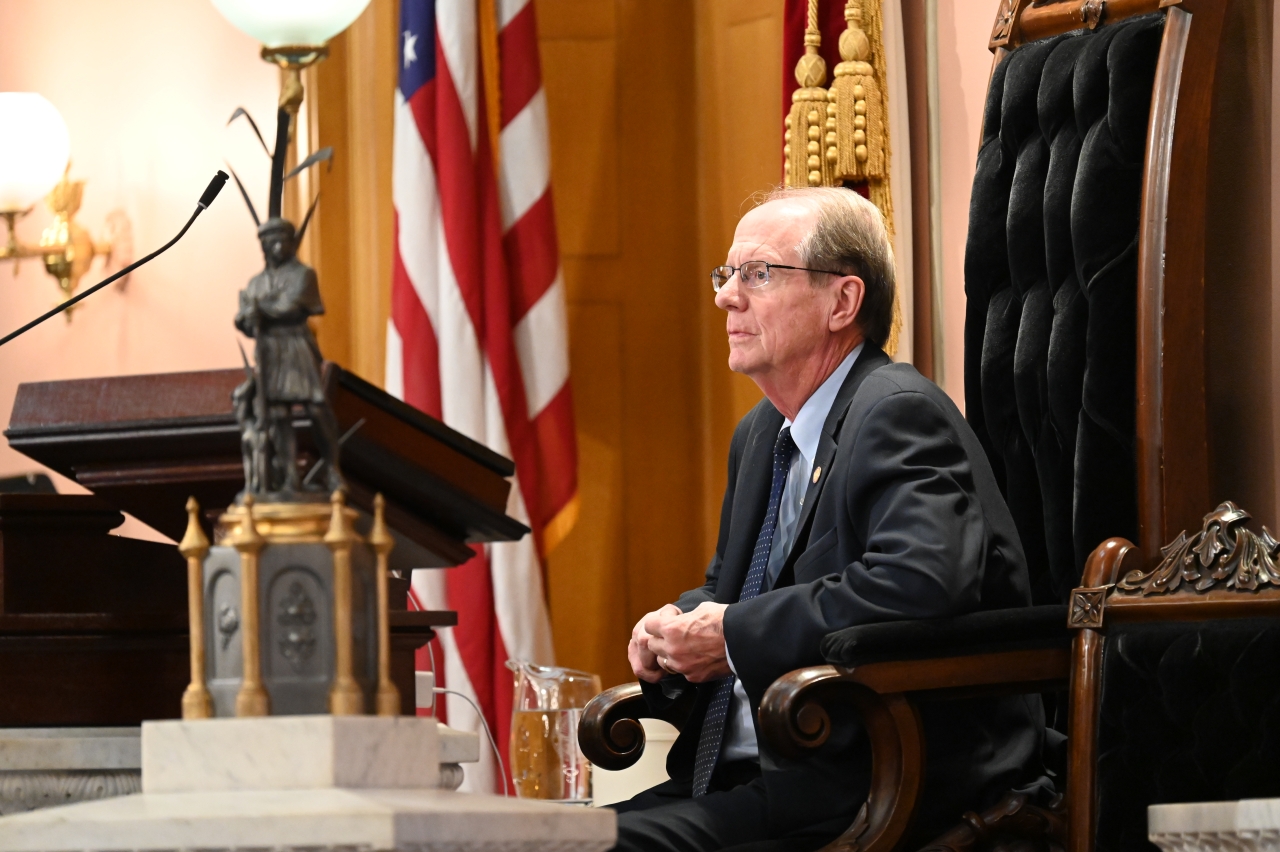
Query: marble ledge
[
  {"x": 291, "y": 752},
  {"x": 1249, "y": 825},
  {"x": 56, "y": 749},
  {"x": 458, "y": 746},
  {"x": 324, "y": 819}
]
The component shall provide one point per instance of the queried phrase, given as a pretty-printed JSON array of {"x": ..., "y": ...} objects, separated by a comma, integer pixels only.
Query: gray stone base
[
  {"x": 43, "y": 767},
  {"x": 22, "y": 791}
]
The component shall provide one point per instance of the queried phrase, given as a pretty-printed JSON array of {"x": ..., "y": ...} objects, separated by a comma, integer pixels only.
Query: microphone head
[{"x": 211, "y": 191}]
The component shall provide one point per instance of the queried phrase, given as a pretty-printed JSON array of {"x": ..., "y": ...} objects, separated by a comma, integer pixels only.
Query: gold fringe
[
  {"x": 883, "y": 199},
  {"x": 491, "y": 69},
  {"x": 805, "y": 164}
]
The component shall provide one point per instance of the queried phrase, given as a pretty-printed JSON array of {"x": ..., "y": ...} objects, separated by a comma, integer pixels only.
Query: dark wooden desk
[{"x": 93, "y": 626}]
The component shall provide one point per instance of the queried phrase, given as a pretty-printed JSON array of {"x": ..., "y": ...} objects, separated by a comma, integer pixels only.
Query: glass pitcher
[{"x": 546, "y": 762}]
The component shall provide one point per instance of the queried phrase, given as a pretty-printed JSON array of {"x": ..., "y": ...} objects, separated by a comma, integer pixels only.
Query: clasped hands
[{"x": 668, "y": 641}]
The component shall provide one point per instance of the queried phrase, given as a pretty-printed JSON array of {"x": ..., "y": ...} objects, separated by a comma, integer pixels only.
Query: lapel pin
[{"x": 817, "y": 472}]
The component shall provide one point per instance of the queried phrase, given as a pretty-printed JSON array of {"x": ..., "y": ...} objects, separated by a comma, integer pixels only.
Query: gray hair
[{"x": 849, "y": 237}]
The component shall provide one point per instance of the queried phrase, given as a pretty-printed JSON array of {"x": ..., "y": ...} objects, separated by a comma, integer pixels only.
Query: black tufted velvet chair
[
  {"x": 1050, "y": 276},
  {"x": 1085, "y": 380}
]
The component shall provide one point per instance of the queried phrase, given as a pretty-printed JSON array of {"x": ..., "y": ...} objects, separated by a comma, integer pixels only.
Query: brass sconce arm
[
  {"x": 12, "y": 249},
  {"x": 66, "y": 248},
  {"x": 293, "y": 60}
]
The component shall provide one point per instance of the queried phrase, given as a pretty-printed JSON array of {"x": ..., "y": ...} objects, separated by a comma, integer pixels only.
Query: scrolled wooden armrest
[
  {"x": 610, "y": 733},
  {"x": 795, "y": 719},
  {"x": 793, "y": 715}
]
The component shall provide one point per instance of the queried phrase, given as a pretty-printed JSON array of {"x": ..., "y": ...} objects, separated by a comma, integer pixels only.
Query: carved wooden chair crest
[{"x": 1085, "y": 380}]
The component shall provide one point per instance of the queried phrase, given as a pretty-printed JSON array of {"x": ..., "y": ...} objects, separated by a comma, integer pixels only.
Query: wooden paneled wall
[
  {"x": 739, "y": 76},
  {"x": 349, "y": 106},
  {"x": 664, "y": 120}
]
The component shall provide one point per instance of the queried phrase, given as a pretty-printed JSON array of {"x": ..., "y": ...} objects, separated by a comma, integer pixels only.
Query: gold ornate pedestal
[
  {"x": 283, "y": 523},
  {"x": 250, "y": 528}
]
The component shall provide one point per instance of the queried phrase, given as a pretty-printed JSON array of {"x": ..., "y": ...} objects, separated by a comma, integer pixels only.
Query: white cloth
[{"x": 740, "y": 730}]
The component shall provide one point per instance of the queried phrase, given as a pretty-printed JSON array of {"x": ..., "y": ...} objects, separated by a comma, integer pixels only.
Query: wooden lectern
[{"x": 93, "y": 626}]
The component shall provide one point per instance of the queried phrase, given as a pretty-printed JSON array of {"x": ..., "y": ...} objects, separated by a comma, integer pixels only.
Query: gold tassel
[
  {"x": 860, "y": 101},
  {"x": 858, "y": 142},
  {"x": 881, "y": 198},
  {"x": 802, "y": 146},
  {"x": 842, "y": 134}
]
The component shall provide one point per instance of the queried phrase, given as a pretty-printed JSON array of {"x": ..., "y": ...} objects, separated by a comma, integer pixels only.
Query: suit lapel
[
  {"x": 750, "y": 499},
  {"x": 871, "y": 358}
]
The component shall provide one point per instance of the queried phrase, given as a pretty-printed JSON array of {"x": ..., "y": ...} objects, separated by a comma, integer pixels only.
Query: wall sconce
[
  {"x": 35, "y": 163},
  {"x": 293, "y": 33}
]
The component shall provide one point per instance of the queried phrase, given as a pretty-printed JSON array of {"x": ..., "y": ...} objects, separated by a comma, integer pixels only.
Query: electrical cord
[
  {"x": 497, "y": 755},
  {"x": 431, "y": 655},
  {"x": 439, "y": 690},
  {"x": 431, "y": 649}
]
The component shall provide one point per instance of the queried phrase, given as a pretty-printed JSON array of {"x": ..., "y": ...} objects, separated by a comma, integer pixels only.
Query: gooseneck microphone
[{"x": 211, "y": 192}]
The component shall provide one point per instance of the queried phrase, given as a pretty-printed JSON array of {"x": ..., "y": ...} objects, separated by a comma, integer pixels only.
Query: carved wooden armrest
[
  {"x": 610, "y": 733},
  {"x": 794, "y": 719}
]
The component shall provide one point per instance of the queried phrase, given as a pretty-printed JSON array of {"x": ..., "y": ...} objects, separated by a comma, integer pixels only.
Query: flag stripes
[{"x": 478, "y": 335}]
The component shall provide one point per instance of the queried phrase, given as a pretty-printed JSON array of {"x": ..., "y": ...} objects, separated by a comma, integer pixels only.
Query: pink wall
[
  {"x": 964, "y": 65},
  {"x": 146, "y": 87}
]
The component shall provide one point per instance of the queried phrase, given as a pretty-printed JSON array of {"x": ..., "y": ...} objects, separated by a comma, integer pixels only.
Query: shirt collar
[{"x": 806, "y": 429}]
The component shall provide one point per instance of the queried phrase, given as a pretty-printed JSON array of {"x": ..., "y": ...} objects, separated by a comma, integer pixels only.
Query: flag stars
[{"x": 410, "y": 51}]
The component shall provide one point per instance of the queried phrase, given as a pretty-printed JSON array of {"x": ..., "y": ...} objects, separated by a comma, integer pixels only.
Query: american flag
[{"x": 478, "y": 334}]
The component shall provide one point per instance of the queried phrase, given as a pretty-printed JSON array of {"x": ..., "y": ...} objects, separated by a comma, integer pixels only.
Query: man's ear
[{"x": 849, "y": 291}]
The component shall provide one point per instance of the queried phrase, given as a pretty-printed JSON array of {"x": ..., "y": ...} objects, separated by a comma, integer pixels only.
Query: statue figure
[{"x": 274, "y": 310}]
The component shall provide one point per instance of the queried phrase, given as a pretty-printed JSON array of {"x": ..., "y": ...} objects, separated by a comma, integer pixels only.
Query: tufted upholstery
[
  {"x": 1189, "y": 712},
  {"x": 1050, "y": 276}
]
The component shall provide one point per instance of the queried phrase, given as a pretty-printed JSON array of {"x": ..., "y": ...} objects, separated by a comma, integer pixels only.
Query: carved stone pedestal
[
  {"x": 306, "y": 782},
  {"x": 42, "y": 767}
]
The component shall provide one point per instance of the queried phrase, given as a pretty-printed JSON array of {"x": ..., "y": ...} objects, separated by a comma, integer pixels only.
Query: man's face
[
  {"x": 277, "y": 247},
  {"x": 786, "y": 321}
]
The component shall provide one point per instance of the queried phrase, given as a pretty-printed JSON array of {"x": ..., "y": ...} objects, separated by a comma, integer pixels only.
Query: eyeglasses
[{"x": 754, "y": 274}]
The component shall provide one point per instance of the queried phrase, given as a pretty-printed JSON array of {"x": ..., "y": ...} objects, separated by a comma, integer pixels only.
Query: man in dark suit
[{"x": 857, "y": 493}]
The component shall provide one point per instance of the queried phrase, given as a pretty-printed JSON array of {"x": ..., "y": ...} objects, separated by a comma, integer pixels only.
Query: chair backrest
[
  {"x": 1080, "y": 273},
  {"x": 1175, "y": 680}
]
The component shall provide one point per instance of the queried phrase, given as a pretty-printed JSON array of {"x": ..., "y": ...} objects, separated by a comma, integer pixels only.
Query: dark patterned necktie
[{"x": 718, "y": 710}]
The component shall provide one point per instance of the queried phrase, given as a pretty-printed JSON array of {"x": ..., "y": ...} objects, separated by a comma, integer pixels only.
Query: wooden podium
[{"x": 93, "y": 627}]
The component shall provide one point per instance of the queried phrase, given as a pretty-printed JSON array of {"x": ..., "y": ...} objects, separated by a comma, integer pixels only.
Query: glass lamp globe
[
  {"x": 286, "y": 23},
  {"x": 34, "y": 149}
]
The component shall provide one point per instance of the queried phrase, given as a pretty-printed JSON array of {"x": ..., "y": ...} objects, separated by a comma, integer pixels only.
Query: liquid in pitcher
[{"x": 546, "y": 761}]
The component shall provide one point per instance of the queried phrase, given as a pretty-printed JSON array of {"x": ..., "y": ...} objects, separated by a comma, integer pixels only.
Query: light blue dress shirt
[{"x": 740, "y": 732}]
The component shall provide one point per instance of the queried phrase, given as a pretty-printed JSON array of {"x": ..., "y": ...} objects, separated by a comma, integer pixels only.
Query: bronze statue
[{"x": 274, "y": 310}]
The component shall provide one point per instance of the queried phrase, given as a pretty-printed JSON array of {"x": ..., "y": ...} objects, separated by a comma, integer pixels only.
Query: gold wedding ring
[{"x": 662, "y": 664}]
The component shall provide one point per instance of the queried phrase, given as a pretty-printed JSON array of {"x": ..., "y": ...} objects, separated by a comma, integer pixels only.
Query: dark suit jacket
[{"x": 904, "y": 521}]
